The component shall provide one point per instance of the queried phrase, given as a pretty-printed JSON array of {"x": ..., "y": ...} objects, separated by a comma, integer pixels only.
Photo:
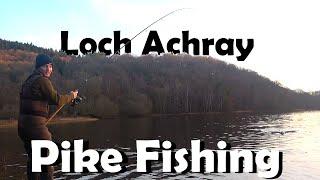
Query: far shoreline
[{"x": 13, "y": 123}]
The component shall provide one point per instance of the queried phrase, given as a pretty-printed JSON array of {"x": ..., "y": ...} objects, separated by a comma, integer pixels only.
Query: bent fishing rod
[{"x": 116, "y": 52}]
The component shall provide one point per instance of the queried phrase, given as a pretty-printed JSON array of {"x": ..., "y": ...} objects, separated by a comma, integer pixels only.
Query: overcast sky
[{"x": 286, "y": 33}]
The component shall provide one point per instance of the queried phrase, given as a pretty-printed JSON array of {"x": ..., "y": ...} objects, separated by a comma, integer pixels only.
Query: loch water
[{"x": 296, "y": 134}]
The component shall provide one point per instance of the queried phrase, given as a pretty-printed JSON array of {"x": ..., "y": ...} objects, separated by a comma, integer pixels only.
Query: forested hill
[
  {"x": 129, "y": 85},
  {"x": 14, "y": 45}
]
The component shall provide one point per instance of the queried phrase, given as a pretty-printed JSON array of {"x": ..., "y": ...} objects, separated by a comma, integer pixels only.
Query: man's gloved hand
[{"x": 74, "y": 93}]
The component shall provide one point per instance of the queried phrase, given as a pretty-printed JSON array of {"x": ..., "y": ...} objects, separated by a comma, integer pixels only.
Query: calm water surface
[{"x": 295, "y": 134}]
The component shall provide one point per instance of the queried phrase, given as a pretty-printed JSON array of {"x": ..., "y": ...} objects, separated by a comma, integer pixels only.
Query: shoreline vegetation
[{"x": 13, "y": 123}]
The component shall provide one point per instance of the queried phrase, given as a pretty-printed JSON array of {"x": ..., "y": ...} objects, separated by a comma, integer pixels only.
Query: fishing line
[{"x": 147, "y": 28}]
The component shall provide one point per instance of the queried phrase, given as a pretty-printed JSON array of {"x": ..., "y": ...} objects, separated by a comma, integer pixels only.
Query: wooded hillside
[{"x": 129, "y": 85}]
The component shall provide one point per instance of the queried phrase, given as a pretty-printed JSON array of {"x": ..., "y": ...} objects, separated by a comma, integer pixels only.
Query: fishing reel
[{"x": 77, "y": 100}]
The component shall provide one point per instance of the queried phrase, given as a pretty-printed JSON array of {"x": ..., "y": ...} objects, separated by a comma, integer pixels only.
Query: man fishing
[{"x": 36, "y": 94}]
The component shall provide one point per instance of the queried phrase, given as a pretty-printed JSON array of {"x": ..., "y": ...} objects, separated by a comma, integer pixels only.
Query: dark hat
[{"x": 42, "y": 59}]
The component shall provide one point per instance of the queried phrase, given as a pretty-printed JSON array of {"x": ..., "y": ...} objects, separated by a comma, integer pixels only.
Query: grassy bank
[{"x": 13, "y": 123}]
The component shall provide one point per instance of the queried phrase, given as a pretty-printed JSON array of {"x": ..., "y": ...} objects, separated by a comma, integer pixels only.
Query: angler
[{"x": 36, "y": 94}]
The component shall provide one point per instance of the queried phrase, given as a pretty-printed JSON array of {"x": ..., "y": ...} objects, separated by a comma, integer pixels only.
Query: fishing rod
[
  {"x": 79, "y": 98},
  {"x": 74, "y": 102},
  {"x": 118, "y": 51}
]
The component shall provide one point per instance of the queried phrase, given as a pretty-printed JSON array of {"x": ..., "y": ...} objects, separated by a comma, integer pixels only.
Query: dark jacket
[{"x": 36, "y": 94}]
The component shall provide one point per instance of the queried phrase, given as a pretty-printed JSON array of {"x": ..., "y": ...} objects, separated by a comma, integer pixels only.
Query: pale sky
[{"x": 286, "y": 33}]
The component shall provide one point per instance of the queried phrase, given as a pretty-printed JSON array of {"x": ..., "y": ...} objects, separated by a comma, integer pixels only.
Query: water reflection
[{"x": 296, "y": 134}]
